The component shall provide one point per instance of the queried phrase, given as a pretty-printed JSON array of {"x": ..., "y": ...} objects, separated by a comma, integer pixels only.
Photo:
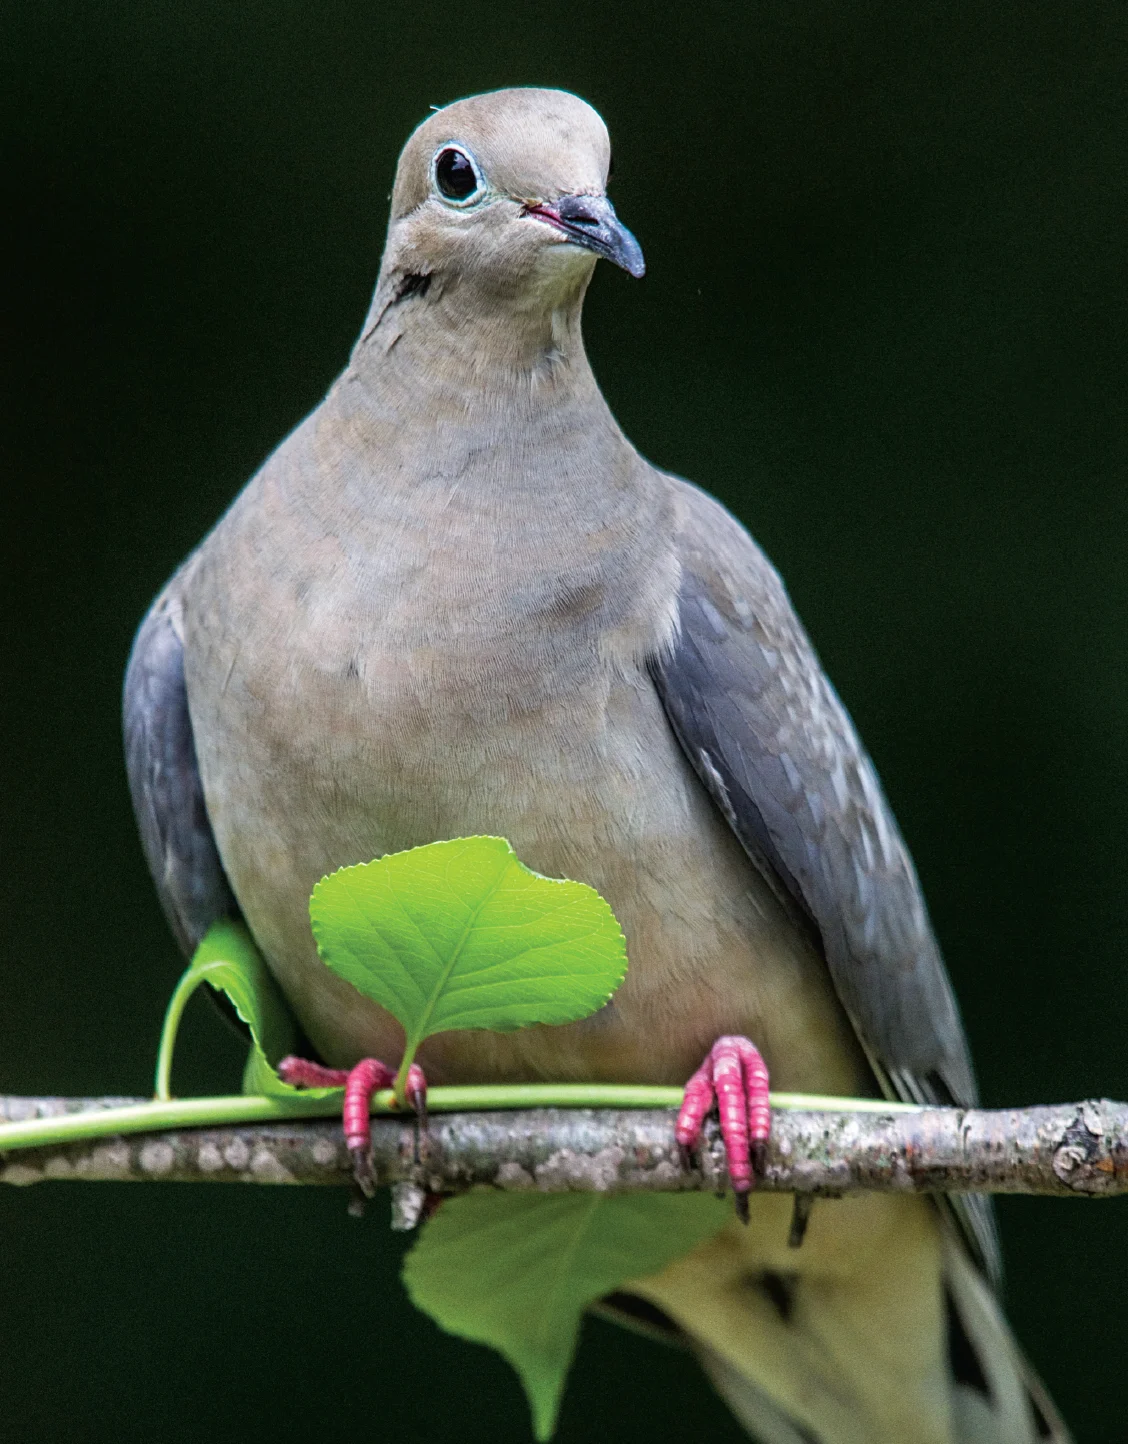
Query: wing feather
[
  {"x": 762, "y": 726},
  {"x": 164, "y": 780}
]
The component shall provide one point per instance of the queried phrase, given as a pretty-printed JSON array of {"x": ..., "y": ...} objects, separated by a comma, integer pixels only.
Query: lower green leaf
[{"x": 517, "y": 1271}]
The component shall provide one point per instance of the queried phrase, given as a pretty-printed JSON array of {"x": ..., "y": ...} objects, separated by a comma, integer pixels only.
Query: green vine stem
[
  {"x": 190, "y": 980},
  {"x": 212, "y": 1112}
]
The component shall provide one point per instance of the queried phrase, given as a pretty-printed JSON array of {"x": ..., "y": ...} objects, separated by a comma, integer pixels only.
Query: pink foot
[
  {"x": 359, "y": 1083},
  {"x": 735, "y": 1077}
]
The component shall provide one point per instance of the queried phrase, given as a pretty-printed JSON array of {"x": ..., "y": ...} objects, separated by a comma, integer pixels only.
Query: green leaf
[
  {"x": 516, "y": 1271},
  {"x": 461, "y": 934},
  {"x": 228, "y": 960}
]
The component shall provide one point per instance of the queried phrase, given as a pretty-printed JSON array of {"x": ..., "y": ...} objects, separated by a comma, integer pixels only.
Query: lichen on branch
[{"x": 1064, "y": 1150}]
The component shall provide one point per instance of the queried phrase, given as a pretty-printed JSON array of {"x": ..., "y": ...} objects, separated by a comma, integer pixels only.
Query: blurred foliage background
[{"x": 885, "y": 321}]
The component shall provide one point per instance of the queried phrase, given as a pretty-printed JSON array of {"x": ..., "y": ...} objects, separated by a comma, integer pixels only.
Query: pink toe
[
  {"x": 359, "y": 1083},
  {"x": 301, "y": 1073},
  {"x": 366, "y": 1078},
  {"x": 415, "y": 1089},
  {"x": 757, "y": 1086},
  {"x": 697, "y": 1099},
  {"x": 732, "y": 1109},
  {"x": 735, "y": 1076}
]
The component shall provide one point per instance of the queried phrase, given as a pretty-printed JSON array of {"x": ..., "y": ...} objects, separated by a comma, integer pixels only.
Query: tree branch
[{"x": 1065, "y": 1150}]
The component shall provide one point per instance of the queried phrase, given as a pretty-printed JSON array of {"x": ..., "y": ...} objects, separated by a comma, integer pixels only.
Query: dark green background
[{"x": 884, "y": 320}]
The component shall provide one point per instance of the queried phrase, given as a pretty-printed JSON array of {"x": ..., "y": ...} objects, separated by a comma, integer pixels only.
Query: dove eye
[{"x": 457, "y": 178}]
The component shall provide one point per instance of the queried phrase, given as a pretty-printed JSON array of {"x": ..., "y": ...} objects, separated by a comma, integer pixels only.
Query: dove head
[{"x": 500, "y": 209}]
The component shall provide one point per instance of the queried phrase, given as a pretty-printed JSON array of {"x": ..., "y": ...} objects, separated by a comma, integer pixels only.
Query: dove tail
[
  {"x": 996, "y": 1398},
  {"x": 879, "y": 1330}
]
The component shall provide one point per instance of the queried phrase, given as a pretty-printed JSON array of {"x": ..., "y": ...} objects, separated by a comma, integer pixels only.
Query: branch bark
[{"x": 1076, "y": 1149}]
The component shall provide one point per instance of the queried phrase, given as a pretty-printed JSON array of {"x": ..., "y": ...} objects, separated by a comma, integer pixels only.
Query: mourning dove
[{"x": 456, "y": 600}]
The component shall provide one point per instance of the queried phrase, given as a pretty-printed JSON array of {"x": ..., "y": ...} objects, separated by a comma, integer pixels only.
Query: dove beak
[{"x": 591, "y": 222}]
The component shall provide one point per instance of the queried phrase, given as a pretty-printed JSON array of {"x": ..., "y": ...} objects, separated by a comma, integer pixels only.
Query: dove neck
[{"x": 465, "y": 339}]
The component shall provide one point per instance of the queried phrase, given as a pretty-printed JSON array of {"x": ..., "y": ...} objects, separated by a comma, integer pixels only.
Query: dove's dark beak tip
[
  {"x": 634, "y": 265},
  {"x": 591, "y": 222}
]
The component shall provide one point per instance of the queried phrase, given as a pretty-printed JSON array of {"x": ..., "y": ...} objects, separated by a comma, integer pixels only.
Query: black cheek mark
[{"x": 413, "y": 284}]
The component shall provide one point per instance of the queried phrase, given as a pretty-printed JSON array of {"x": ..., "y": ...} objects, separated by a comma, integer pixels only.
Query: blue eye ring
[{"x": 456, "y": 176}]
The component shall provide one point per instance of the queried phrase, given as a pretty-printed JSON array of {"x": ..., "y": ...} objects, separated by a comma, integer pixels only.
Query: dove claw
[
  {"x": 360, "y": 1083},
  {"x": 734, "y": 1079}
]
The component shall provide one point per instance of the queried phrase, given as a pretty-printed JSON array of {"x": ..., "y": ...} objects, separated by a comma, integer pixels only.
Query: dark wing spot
[
  {"x": 781, "y": 1291},
  {"x": 577, "y": 601}
]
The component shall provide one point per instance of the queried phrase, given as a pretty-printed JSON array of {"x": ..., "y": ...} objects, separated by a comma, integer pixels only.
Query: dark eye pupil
[{"x": 455, "y": 175}]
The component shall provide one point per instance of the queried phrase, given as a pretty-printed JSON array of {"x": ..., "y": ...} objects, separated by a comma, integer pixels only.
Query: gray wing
[
  {"x": 164, "y": 780},
  {"x": 764, "y": 730}
]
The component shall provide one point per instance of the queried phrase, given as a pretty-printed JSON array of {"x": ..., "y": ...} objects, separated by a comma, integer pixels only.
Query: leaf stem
[
  {"x": 399, "y": 1083},
  {"x": 204, "y": 1112},
  {"x": 190, "y": 980}
]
